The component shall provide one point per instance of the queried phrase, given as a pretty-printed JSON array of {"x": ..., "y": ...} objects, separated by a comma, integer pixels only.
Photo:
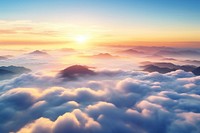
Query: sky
[{"x": 108, "y": 22}]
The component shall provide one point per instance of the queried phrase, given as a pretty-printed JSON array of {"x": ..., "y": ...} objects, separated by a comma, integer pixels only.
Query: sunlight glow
[{"x": 80, "y": 39}]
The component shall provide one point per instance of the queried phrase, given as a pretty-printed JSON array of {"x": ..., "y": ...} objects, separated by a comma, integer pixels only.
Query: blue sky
[{"x": 116, "y": 10}]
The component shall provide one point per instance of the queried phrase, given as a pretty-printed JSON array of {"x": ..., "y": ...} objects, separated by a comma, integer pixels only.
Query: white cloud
[{"x": 139, "y": 103}]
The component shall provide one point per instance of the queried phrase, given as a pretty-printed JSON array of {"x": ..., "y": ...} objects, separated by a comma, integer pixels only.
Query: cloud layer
[{"x": 134, "y": 102}]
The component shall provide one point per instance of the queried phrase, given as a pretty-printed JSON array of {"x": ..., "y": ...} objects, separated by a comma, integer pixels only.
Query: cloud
[
  {"x": 73, "y": 122},
  {"x": 187, "y": 122},
  {"x": 131, "y": 102},
  {"x": 27, "y": 27}
]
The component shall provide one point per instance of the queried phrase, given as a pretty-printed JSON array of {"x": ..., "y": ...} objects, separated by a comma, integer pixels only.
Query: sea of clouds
[{"x": 109, "y": 102}]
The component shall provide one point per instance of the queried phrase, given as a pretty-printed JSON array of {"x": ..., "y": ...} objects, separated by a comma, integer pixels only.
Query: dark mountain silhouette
[
  {"x": 165, "y": 67},
  {"x": 165, "y": 64},
  {"x": 187, "y": 68},
  {"x": 169, "y": 59},
  {"x": 101, "y": 55},
  {"x": 179, "y": 52},
  {"x": 76, "y": 71},
  {"x": 196, "y": 71},
  {"x": 7, "y": 72},
  {"x": 154, "y": 56},
  {"x": 15, "y": 69},
  {"x": 195, "y": 62},
  {"x": 3, "y": 58},
  {"x": 152, "y": 68},
  {"x": 153, "y": 48},
  {"x": 132, "y": 52},
  {"x": 38, "y": 52}
]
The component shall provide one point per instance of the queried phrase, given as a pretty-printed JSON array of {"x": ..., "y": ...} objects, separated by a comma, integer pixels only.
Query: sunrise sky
[
  {"x": 74, "y": 23},
  {"x": 99, "y": 66}
]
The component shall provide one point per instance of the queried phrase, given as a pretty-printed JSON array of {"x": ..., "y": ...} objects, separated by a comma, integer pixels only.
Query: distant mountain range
[
  {"x": 153, "y": 68},
  {"x": 165, "y": 67},
  {"x": 101, "y": 55},
  {"x": 162, "y": 52},
  {"x": 179, "y": 52},
  {"x": 131, "y": 52}
]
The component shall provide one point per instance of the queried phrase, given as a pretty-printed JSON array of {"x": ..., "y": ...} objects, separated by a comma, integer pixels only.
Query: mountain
[
  {"x": 196, "y": 71},
  {"x": 7, "y": 72},
  {"x": 131, "y": 52},
  {"x": 3, "y": 58},
  {"x": 152, "y": 68},
  {"x": 101, "y": 55},
  {"x": 179, "y": 52},
  {"x": 165, "y": 67},
  {"x": 169, "y": 59},
  {"x": 195, "y": 62},
  {"x": 166, "y": 64},
  {"x": 15, "y": 69},
  {"x": 38, "y": 52},
  {"x": 76, "y": 71},
  {"x": 187, "y": 68}
]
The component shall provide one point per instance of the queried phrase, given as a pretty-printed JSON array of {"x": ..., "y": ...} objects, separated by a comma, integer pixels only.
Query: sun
[{"x": 81, "y": 39}]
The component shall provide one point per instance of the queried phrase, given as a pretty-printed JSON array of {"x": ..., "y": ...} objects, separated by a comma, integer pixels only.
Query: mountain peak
[
  {"x": 76, "y": 71},
  {"x": 38, "y": 52}
]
